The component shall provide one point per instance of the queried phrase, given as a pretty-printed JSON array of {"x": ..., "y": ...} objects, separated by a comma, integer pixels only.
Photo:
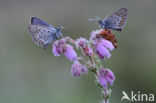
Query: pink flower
[
  {"x": 106, "y": 76},
  {"x": 70, "y": 53},
  {"x": 60, "y": 47},
  {"x": 56, "y": 51},
  {"x": 78, "y": 69},
  {"x": 107, "y": 44},
  {"x": 102, "y": 46},
  {"x": 102, "y": 51},
  {"x": 83, "y": 44},
  {"x": 88, "y": 51}
]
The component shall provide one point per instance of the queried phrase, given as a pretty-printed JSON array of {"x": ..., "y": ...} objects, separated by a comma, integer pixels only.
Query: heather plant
[{"x": 93, "y": 52}]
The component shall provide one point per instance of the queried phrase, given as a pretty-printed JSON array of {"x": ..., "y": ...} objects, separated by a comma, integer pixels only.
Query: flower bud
[
  {"x": 106, "y": 76},
  {"x": 77, "y": 69}
]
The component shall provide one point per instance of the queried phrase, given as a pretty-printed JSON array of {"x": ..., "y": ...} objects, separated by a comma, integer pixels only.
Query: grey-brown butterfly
[
  {"x": 43, "y": 33},
  {"x": 115, "y": 21}
]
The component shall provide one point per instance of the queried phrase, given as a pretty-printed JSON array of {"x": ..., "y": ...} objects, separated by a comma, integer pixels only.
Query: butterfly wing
[
  {"x": 37, "y": 21},
  {"x": 42, "y": 35},
  {"x": 117, "y": 20}
]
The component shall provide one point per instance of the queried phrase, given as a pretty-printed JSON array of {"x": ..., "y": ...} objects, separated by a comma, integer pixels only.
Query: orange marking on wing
[{"x": 122, "y": 22}]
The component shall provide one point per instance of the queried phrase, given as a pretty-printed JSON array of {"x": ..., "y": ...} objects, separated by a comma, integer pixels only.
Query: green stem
[{"x": 94, "y": 70}]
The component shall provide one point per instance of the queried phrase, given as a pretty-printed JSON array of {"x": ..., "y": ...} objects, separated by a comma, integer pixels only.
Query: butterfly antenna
[{"x": 95, "y": 18}]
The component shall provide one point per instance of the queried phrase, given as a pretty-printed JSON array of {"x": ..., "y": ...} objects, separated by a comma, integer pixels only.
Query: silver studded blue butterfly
[
  {"x": 43, "y": 33},
  {"x": 115, "y": 21}
]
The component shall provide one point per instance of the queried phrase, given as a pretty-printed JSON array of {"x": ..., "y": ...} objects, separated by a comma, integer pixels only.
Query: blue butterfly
[
  {"x": 43, "y": 33},
  {"x": 115, "y": 21}
]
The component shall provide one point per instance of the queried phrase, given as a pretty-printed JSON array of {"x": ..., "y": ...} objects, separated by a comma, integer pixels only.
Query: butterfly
[
  {"x": 115, "y": 21},
  {"x": 43, "y": 34}
]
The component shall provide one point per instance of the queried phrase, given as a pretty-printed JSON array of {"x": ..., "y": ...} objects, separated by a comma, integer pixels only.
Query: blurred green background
[{"x": 29, "y": 74}]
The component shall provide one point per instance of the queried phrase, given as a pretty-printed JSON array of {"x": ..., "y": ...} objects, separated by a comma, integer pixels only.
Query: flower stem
[
  {"x": 94, "y": 70},
  {"x": 91, "y": 60}
]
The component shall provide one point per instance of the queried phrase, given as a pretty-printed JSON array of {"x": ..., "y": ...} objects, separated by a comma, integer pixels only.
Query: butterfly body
[{"x": 43, "y": 33}]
